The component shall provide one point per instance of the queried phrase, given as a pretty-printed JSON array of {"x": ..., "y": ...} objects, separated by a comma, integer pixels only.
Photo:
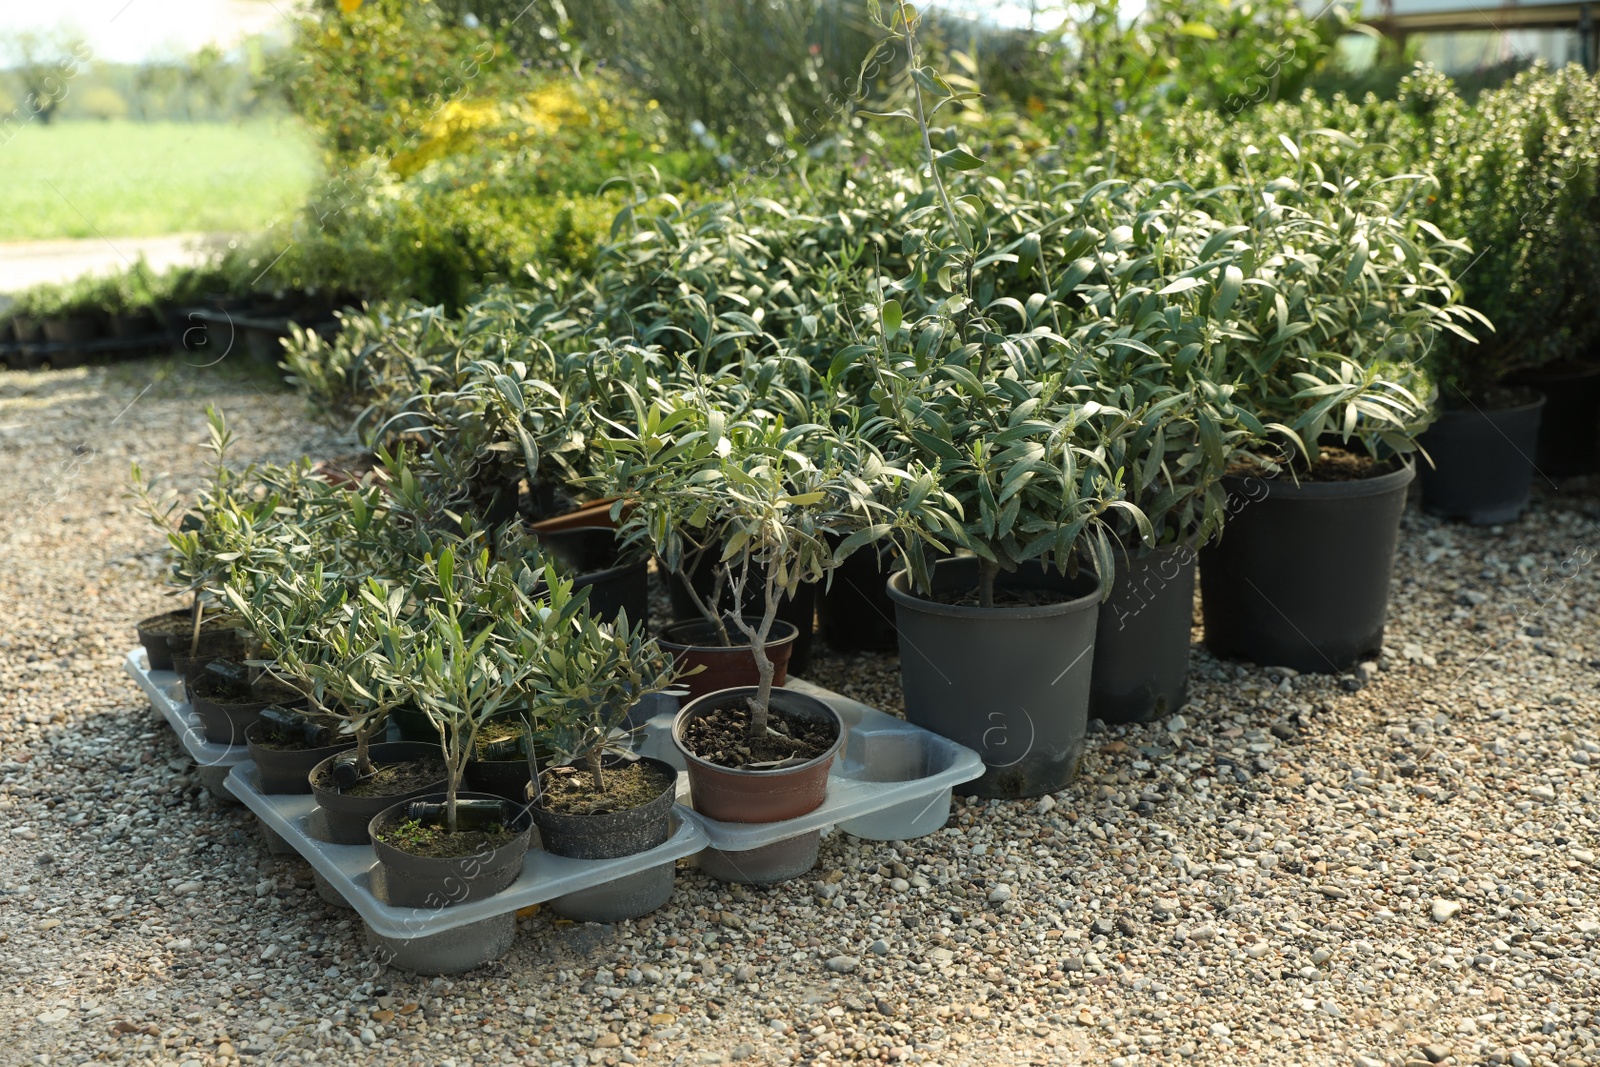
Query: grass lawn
[{"x": 72, "y": 179}]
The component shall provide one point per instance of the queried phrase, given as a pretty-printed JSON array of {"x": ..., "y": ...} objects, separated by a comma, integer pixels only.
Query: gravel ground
[{"x": 1395, "y": 867}]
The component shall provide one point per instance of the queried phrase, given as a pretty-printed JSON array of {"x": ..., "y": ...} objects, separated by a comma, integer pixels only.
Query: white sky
[{"x": 132, "y": 30}]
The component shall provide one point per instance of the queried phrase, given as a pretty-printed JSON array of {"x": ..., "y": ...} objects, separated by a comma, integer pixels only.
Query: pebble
[
  {"x": 1445, "y": 910},
  {"x": 1000, "y": 894},
  {"x": 843, "y": 964}
]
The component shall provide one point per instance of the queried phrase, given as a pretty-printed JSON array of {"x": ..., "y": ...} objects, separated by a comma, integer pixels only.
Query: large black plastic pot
[
  {"x": 1482, "y": 463},
  {"x": 345, "y": 815},
  {"x": 1011, "y": 683},
  {"x": 610, "y": 834},
  {"x": 1300, "y": 575},
  {"x": 799, "y": 611},
  {"x": 1569, "y": 425},
  {"x": 743, "y": 795},
  {"x": 411, "y": 881},
  {"x": 1141, "y": 643},
  {"x": 590, "y": 554},
  {"x": 854, "y": 612}
]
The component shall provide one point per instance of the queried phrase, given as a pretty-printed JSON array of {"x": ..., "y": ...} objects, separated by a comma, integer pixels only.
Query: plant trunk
[
  {"x": 194, "y": 632},
  {"x": 450, "y": 800},
  {"x": 592, "y": 762},
  {"x": 765, "y": 668},
  {"x": 987, "y": 573},
  {"x": 363, "y": 761}
]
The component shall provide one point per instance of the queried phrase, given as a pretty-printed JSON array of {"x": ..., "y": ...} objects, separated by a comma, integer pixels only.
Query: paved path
[{"x": 27, "y": 263}]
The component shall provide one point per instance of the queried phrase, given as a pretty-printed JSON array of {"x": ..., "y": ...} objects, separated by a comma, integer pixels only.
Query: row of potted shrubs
[
  {"x": 1150, "y": 368},
  {"x": 1010, "y": 415}
]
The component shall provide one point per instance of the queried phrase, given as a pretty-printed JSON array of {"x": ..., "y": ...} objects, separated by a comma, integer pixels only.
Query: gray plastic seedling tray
[
  {"x": 165, "y": 690},
  {"x": 349, "y": 869},
  {"x": 890, "y": 782}
]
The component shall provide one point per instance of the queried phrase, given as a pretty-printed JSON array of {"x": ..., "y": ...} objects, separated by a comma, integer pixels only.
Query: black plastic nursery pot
[
  {"x": 744, "y": 795},
  {"x": 154, "y": 631},
  {"x": 799, "y": 611},
  {"x": 415, "y": 881},
  {"x": 607, "y": 835},
  {"x": 1300, "y": 575},
  {"x": 1569, "y": 424},
  {"x": 693, "y": 646},
  {"x": 345, "y": 814},
  {"x": 1011, "y": 683},
  {"x": 1482, "y": 468},
  {"x": 854, "y": 612},
  {"x": 615, "y": 583},
  {"x": 413, "y": 724},
  {"x": 71, "y": 329},
  {"x": 285, "y": 767},
  {"x": 218, "y": 640},
  {"x": 224, "y": 721},
  {"x": 1141, "y": 643}
]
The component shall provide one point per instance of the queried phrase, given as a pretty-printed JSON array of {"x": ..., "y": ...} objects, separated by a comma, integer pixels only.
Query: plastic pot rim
[
  {"x": 699, "y": 705},
  {"x": 664, "y": 639},
  {"x": 900, "y": 593},
  {"x": 536, "y": 805},
  {"x": 1285, "y": 488}
]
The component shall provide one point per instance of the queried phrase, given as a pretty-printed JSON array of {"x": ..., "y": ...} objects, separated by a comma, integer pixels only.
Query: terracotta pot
[
  {"x": 594, "y": 513},
  {"x": 730, "y": 794},
  {"x": 694, "y": 644}
]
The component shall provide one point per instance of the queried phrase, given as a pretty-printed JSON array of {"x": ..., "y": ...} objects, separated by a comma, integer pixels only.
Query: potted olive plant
[
  {"x": 767, "y": 495},
  {"x": 1332, "y": 302},
  {"x": 596, "y": 801},
  {"x": 354, "y": 654},
  {"x": 996, "y": 647},
  {"x": 772, "y": 499},
  {"x": 205, "y": 541},
  {"x": 476, "y": 636}
]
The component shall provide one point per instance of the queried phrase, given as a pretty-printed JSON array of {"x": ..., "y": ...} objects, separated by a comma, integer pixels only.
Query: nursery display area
[{"x": 960, "y": 603}]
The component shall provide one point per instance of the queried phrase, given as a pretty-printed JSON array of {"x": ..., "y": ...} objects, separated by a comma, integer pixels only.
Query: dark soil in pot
[
  {"x": 154, "y": 631},
  {"x": 632, "y": 815},
  {"x": 1482, "y": 469},
  {"x": 1300, "y": 574},
  {"x": 854, "y": 611},
  {"x": 696, "y": 644},
  {"x": 800, "y": 611},
  {"x": 284, "y": 762},
  {"x": 406, "y": 770},
  {"x": 426, "y": 867},
  {"x": 616, "y": 583},
  {"x": 1141, "y": 643},
  {"x": 1010, "y": 682},
  {"x": 225, "y": 710},
  {"x": 729, "y": 784},
  {"x": 1569, "y": 424}
]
